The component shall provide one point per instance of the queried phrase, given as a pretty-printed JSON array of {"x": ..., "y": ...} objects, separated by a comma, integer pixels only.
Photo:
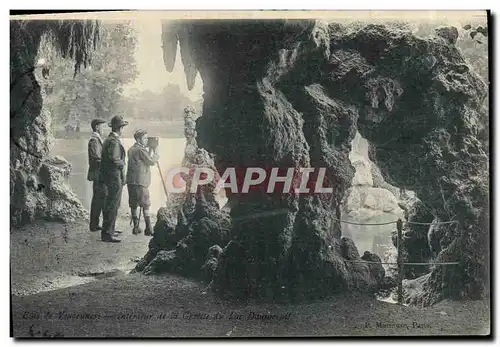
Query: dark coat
[
  {"x": 139, "y": 161},
  {"x": 113, "y": 160},
  {"x": 94, "y": 150}
]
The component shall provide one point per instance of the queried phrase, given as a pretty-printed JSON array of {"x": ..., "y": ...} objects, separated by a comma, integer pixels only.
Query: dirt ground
[
  {"x": 65, "y": 282},
  {"x": 46, "y": 255}
]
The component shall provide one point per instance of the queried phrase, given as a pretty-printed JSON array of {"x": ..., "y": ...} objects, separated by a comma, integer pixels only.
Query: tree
[
  {"x": 95, "y": 92},
  {"x": 167, "y": 105},
  {"x": 474, "y": 45},
  {"x": 472, "y": 42}
]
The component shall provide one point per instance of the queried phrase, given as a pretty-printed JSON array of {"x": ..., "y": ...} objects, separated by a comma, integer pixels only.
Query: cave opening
[{"x": 148, "y": 97}]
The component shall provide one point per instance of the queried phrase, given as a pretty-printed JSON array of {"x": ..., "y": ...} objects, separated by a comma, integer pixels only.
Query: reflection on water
[{"x": 75, "y": 151}]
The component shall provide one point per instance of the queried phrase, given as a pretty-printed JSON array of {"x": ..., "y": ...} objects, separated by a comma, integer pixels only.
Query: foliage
[
  {"x": 96, "y": 91},
  {"x": 475, "y": 48},
  {"x": 71, "y": 39},
  {"x": 167, "y": 105},
  {"x": 478, "y": 30}
]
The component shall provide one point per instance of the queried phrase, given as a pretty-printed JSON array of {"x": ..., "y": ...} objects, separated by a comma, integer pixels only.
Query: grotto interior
[{"x": 294, "y": 94}]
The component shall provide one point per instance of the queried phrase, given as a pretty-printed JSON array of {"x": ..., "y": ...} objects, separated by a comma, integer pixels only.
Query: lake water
[{"x": 75, "y": 151}]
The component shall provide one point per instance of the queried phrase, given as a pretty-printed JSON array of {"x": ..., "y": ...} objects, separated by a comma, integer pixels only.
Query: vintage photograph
[{"x": 250, "y": 174}]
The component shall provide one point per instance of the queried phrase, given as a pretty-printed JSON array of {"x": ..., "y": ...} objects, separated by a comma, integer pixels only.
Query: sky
[{"x": 149, "y": 58}]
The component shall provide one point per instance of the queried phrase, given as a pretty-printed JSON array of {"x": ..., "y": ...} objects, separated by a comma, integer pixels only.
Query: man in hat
[
  {"x": 139, "y": 179},
  {"x": 94, "y": 152},
  {"x": 113, "y": 176}
]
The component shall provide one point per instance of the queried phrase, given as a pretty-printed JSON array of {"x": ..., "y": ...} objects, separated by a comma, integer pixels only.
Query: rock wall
[
  {"x": 293, "y": 93},
  {"x": 37, "y": 181},
  {"x": 192, "y": 226},
  {"x": 248, "y": 120},
  {"x": 433, "y": 147}
]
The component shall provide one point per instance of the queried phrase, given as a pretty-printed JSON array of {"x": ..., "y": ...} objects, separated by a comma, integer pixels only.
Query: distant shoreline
[
  {"x": 164, "y": 129},
  {"x": 61, "y": 135}
]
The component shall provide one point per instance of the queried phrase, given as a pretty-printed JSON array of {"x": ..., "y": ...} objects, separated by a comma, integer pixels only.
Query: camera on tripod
[{"x": 153, "y": 142}]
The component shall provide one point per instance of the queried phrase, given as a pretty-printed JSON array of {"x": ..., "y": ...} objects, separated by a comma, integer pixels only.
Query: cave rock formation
[
  {"x": 293, "y": 94},
  {"x": 189, "y": 231},
  {"x": 38, "y": 186}
]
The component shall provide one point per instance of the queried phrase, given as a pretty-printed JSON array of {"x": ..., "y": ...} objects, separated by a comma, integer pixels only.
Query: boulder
[
  {"x": 448, "y": 33},
  {"x": 191, "y": 224},
  {"x": 349, "y": 249},
  {"x": 376, "y": 268},
  {"x": 211, "y": 263},
  {"x": 363, "y": 176},
  {"x": 164, "y": 261},
  {"x": 45, "y": 194},
  {"x": 381, "y": 200}
]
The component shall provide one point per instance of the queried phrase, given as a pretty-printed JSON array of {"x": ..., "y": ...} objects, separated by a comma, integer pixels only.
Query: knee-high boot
[
  {"x": 149, "y": 230},
  {"x": 137, "y": 229}
]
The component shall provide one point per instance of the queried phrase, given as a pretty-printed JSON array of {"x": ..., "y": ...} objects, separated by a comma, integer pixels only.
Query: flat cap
[
  {"x": 96, "y": 121},
  {"x": 139, "y": 133}
]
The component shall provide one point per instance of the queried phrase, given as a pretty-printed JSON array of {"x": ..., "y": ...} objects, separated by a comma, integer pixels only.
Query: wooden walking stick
[
  {"x": 162, "y": 181},
  {"x": 153, "y": 143}
]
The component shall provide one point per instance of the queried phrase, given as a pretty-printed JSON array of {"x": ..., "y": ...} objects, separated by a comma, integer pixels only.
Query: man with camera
[{"x": 142, "y": 155}]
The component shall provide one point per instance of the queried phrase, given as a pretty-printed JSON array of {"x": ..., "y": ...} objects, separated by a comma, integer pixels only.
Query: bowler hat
[
  {"x": 96, "y": 121},
  {"x": 117, "y": 122}
]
